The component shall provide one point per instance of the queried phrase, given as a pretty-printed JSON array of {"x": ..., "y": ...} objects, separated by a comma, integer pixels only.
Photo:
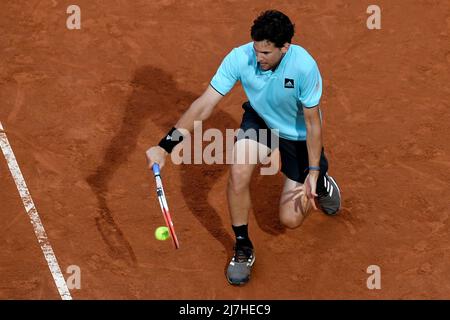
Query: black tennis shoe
[
  {"x": 240, "y": 267},
  {"x": 330, "y": 200}
]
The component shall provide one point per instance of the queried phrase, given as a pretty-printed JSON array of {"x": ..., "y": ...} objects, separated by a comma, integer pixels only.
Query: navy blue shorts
[{"x": 294, "y": 154}]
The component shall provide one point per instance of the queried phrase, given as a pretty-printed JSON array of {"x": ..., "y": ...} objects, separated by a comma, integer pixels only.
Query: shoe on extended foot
[
  {"x": 240, "y": 267},
  {"x": 330, "y": 200}
]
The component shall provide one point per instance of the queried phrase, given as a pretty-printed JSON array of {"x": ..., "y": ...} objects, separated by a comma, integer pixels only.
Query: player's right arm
[
  {"x": 222, "y": 82},
  {"x": 199, "y": 110}
]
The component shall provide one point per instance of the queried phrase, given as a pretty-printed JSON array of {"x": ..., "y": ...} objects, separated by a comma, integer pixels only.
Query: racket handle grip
[{"x": 156, "y": 170}]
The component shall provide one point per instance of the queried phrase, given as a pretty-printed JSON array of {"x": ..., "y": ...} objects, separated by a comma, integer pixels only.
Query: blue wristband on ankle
[{"x": 314, "y": 168}]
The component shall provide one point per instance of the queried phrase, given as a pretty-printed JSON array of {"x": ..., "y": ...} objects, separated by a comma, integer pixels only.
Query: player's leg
[
  {"x": 239, "y": 202},
  {"x": 295, "y": 161},
  {"x": 247, "y": 153},
  {"x": 293, "y": 209}
]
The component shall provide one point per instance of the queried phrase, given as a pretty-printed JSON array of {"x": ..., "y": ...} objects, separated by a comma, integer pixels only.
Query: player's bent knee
[{"x": 290, "y": 221}]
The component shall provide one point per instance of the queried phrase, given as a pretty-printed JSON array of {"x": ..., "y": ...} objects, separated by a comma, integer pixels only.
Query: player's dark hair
[{"x": 274, "y": 26}]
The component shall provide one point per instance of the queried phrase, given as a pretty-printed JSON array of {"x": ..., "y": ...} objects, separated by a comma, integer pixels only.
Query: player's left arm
[
  {"x": 313, "y": 135},
  {"x": 314, "y": 145},
  {"x": 310, "y": 92}
]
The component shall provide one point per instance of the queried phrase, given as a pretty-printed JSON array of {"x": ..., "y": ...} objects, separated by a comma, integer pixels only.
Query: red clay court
[{"x": 81, "y": 107}]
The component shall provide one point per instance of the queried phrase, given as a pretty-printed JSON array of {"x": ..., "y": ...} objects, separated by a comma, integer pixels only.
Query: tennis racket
[{"x": 163, "y": 204}]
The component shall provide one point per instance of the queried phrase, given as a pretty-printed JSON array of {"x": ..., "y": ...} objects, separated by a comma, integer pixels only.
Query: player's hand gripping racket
[{"x": 164, "y": 206}]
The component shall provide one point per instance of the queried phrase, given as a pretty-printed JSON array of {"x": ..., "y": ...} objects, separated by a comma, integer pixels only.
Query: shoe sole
[{"x": 243, "y": 282}]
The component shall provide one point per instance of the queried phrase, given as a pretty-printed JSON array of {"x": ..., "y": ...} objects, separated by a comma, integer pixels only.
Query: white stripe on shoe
[{"x": 337, "y": 187}]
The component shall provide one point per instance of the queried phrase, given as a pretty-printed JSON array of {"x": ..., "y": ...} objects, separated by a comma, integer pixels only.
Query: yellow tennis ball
[{"x": 162, "y": 233}]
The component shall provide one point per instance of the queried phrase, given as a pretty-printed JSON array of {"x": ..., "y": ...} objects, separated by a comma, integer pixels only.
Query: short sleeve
[
  {"x": 227, "y": 75},
  {"x": 311, "y": 88}
]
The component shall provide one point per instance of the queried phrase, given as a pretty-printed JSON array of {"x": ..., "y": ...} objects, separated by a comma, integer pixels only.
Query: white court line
[{"x": 30, "y": 208}]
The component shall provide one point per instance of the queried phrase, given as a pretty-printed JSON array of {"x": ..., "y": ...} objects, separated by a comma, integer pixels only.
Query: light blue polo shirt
[{"x": 277, "y": 96}]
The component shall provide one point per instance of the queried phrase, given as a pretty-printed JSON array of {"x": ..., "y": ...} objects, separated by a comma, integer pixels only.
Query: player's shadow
[{"x": 155, "y": 97}]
